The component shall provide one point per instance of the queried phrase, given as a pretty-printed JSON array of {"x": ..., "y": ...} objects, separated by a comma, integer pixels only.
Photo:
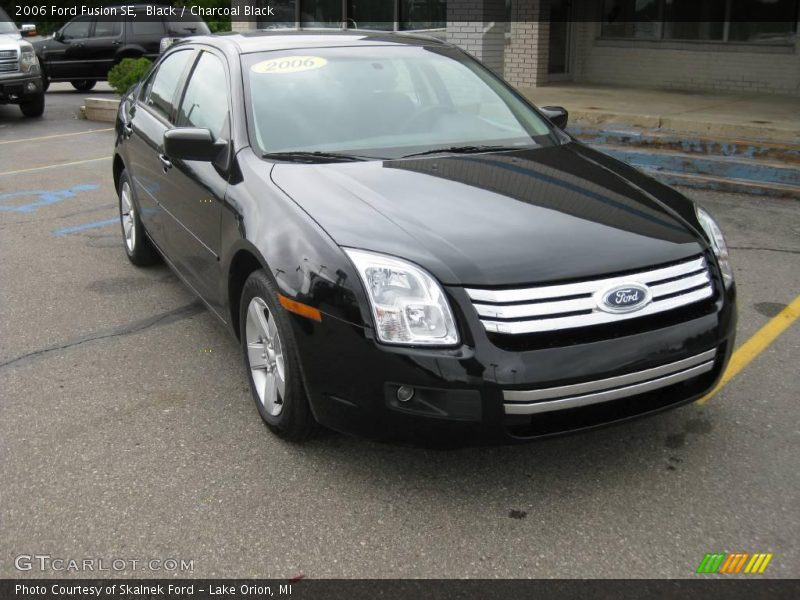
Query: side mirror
[
  {"x": 58, "y": 36},
  {"x": 188, "y": 143},
  {"x": 28, "y": 29},
  {"x": 558, "y": 115}
]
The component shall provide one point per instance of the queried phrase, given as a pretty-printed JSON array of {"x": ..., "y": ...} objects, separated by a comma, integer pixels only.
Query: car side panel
[{"x": 143, "y": 148}]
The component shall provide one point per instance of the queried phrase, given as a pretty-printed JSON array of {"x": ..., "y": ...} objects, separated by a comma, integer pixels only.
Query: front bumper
[
  {"x": 15, "y": 89},
  {"x": 491, "y": 391}
]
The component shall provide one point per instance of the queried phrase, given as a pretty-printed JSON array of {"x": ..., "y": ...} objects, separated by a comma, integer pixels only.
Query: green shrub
[{"x": 127, "y": 72}]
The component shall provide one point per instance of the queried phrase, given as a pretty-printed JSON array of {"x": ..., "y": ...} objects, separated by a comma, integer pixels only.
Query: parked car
[
  {"x": 406, "y": 247},
  {"x": 20, "y": 74},
  {"x": 84, "y": 50}
]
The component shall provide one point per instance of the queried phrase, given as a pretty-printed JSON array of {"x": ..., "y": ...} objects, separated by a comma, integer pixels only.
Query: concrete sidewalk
[{"x": 732, "y": 116}]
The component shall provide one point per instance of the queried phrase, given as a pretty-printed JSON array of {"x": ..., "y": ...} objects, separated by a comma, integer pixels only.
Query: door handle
[
  {"x": 127, "y": 130},
  {"x": 166, "y": 163},
  {"x": 116, "y": 43}
]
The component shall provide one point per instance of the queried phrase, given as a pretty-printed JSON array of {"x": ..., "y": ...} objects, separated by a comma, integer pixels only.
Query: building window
[
  {"x": 286, "y": 14},
  {"x": 761, "y": 21},
  {"x": 738, "y": 21},
  {"x": 423, "y": 14},
  {"x": 321, "y": 13},
  {"x": 380, "y": 15},
  {"x": 368, "y": 14}
]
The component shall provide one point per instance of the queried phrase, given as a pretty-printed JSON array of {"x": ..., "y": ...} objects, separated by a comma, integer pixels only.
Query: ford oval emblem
[{"x": 623, "y": 298}]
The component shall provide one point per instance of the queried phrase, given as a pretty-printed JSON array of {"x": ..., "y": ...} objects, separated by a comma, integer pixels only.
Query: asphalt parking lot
[{"x": 127, "y": 429}]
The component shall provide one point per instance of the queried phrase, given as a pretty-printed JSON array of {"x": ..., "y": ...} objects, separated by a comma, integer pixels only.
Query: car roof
[{"x": 265, "y": 40}]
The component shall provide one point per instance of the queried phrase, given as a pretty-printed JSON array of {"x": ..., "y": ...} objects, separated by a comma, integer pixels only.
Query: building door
[{"x": 559, "y": 54}]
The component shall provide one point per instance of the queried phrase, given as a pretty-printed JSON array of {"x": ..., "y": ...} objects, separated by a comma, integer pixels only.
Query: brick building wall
[
  {"x": 685, "y": 66},
  {"x": 478, "y": 27},
  {"x": 242, "y": 26},
  {"x": 526, "y": 51}
]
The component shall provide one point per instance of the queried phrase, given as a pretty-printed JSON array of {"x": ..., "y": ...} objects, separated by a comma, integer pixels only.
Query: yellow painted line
[
  {"x": 55, "y": 136},
  {"x": 763, "y": 566},
  {"x": 756, "y": 345},
  {"x": 56, "y": 166}
]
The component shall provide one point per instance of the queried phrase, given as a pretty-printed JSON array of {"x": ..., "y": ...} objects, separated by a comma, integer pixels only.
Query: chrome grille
[
  {"x": 9, "y": 61},
  {"x": 528, "y": 402},
  {"x": 557, "y": 307}
]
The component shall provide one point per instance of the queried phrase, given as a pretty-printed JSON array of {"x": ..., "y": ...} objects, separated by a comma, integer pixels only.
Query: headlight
[
  {"x": 408, "y": 305},
  {"x": 28, "y": 63},
  {"x": 714, "y": 234}
]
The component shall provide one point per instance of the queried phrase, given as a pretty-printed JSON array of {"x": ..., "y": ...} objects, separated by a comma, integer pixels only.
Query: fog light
[
  {"x": 30, "y": 87},
  {"x": 405, "y": 393}
]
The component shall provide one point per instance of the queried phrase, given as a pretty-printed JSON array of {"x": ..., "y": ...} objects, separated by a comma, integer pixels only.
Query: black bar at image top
[{"x": 283, "y": 12}]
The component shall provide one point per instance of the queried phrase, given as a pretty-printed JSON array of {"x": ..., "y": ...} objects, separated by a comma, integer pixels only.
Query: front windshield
[
  {"x": 6, "y": 25},
  {"x": 382, "y": 101}
]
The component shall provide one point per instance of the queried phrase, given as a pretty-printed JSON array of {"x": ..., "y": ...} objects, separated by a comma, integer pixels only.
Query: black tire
[
  {"x": 33, "y": 107},
  {"x": 295, "y": 423},
  {"x": 84, "y": 85},
  {"x": 139, "y": 250}
]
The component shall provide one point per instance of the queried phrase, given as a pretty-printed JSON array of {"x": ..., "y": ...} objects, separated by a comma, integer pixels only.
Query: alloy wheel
[
  {"x": 265, "y": 356},
  {"x": 128, "y": 217}
]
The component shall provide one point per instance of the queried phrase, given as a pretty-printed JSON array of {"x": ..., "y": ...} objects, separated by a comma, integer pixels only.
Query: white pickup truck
[{"x": 20, "y": 73}]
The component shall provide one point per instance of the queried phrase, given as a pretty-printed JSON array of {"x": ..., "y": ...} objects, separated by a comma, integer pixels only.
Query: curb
[
  {"x": 103, "y": 110},
  {"x": 682, "y": 125}
]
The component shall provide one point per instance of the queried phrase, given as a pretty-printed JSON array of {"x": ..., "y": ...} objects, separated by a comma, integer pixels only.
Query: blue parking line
[
  {"x": 92, "y": 225},
  {"x": 42, "y": 198}
]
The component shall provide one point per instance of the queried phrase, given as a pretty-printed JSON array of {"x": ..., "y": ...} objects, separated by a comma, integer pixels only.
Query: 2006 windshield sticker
[{"x": 289, "y": 64}]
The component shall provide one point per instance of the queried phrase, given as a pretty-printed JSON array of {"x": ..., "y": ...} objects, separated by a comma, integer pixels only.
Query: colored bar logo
[{"x": 733, "y": 563}]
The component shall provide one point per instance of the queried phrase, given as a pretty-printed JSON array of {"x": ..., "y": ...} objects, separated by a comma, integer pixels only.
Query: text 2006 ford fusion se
[{"x": 407, "y": 249}]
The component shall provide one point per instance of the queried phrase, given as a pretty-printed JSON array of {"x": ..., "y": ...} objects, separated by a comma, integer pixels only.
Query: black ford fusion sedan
[{"x": 406, "y": 248}]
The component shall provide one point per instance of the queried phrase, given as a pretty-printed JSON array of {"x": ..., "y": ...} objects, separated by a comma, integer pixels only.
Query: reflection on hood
[{"x": 555, "y": 185}]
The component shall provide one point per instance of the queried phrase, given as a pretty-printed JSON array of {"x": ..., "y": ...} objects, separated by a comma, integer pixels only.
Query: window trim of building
[
  {"x": 347, "y": 21},
  {"x": 695, "y": 45},
  {"x": 724, "y": 44}
]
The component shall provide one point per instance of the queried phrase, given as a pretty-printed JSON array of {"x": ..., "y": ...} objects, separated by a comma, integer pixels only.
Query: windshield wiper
[
  {"x": 466, "y": 150},
  {"x": 316, "y": 156}
]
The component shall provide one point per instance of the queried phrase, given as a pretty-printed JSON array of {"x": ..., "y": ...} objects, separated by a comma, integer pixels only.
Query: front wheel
[
  {"x": 138, "y": 248},
  {"x": 84, "y": 85},
  {"x": 33, "y": 107},
  {"x": 270, "y": 357}
]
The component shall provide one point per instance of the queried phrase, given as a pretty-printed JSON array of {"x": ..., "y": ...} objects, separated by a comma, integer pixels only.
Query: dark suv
[{"x": 84, "y": 50}]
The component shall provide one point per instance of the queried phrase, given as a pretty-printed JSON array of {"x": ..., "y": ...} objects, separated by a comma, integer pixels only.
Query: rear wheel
[
  {"x": 84, "y": 85},
  {"x": 33, "y": 106},
  {"x": 270, "y": 356},
  {"x": 137, "y": 246}
]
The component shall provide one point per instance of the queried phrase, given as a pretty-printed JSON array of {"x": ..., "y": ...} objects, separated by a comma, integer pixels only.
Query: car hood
[
  {"x": 546, "y": 214},
  {"x": 9, "y": 41}
]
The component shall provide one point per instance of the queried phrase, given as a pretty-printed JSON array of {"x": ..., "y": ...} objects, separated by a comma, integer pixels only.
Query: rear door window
[
  {"x": 142, "y": 25},
  {"x": 107, "y": 29}
]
